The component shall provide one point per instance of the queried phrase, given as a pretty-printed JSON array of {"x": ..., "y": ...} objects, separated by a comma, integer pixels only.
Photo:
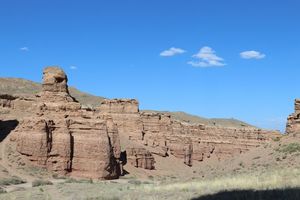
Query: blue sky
[{"x": 213, "y": 58}]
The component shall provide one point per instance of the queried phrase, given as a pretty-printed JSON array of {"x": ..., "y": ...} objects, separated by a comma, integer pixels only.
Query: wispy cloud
[
  {"x": 24, "y": 49},
  {"x": 73, "y": 67},
  {"x": 206, "y": 57},
  {"x": 172, "y": 52},
  {"x": 252, "y": 55}
]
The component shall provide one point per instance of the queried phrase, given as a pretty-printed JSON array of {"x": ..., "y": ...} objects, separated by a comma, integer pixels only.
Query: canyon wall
[
  {"x": 161, "y": 135},
  {"x": 61, "y": 136},
  {"x": 57, "y": 133}
]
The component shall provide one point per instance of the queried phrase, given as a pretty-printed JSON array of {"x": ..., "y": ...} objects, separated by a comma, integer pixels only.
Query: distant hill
[
  {"x": 17, "y": 86},
  {"x": 222, "y": 122}
]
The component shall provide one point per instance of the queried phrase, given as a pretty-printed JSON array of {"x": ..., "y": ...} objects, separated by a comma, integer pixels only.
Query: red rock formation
[
  {"x": 65, "y": 138},
  {"x": 293, "y": 120},
  {"x": 140, "y": 157},
  {"x": 162, "y": 135}
]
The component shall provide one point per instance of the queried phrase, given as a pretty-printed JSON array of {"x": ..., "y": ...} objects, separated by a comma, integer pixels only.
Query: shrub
[
  {"x": 276, "y": 139},
  {"x": 57, "y": 176},
  {"x": 290, "y": 148},
  {"x": 2, "y": 191},
  {"x": 135, "y": 182},
  {"x": 37, "y": 183},
  {"x": 241, "y": 164},
  {"x": 12, "y": 181},
  {"x": 72, "y": 180}
]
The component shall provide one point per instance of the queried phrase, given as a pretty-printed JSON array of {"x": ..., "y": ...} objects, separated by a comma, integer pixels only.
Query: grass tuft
[
  {"x": 289, "y": 148},
  {"x": 40, "y": 182},
  {"x": 11, "y": 181}
]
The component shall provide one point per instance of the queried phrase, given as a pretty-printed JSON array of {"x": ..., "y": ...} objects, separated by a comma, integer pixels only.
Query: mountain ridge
[{"x": 20, "y": 86}]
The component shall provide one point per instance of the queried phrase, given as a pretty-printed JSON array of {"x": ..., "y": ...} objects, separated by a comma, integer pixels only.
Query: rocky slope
[{"x": 21, "y": 87}]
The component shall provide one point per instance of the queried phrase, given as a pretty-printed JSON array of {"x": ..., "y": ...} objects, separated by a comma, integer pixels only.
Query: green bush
[
  {"x": 2, "y": 191},
  {"x": 37, "y": 183},
  {"x": 11, "y": 181},
  {"x": 290, "y": 148}
]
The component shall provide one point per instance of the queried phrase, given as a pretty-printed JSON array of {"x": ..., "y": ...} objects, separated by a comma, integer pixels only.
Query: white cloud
[
  {"x": 172, "y": 52},
  {"x": 206, "y": 57},
  {"x": 24, "y": 49},
  {"x": 252, "y": 55},
  {"x": 73, "y": 67}
]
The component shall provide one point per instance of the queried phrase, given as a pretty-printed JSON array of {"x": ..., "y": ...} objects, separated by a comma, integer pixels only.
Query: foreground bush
[
  {"x": 2, "y": 191},
  {"x": 72, "y": 180},
  {"x": 37, "y": 183},
  {"x": 11, "y": 181},
  {"x": 290, "y": 148}
]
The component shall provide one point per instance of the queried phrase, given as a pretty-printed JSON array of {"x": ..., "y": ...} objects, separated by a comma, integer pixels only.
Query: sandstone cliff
[
  {"x": 61, "y": 136},
  {"x": 162, "y": 135},
  {"x": 58, "y": 133}
]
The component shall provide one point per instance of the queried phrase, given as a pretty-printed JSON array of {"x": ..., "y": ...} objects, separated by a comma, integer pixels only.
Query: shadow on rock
[
  {"x": 275, "y": 194},
  {"x": 6, "y": 127}
]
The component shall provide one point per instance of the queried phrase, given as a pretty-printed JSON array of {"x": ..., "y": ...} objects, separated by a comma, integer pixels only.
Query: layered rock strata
[
  {"x": 64, "y": 138},
  {"x": 55, "y": 132},
  {"x": 162, "y": 135},
  {"x": 140, "y": 158}
]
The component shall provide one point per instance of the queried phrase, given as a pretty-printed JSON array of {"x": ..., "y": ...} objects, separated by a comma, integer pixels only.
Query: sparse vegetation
[
  {"x": 289, "y": 148},
  {"x": 266, "y": 181},
  {"x": 2, "y": 191},
  {"x": 40, "y": 182},
  {"x": 36, "y": 171},
  {"x": 241, "y": 164},
  {"x": 276, "y": 139},
  {"x": 72, "y": 180},
  {"x": 135, "y": 182},
  {"x": 103, "y": 198},
  {"x": 11, "y": 181},
  {"x": 57, "y": 176}
]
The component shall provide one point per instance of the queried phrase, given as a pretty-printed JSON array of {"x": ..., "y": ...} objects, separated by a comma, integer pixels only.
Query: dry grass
[
  {"x": 273, "y": 179},
  {"x": 289, "y": 148},
  {"x": 41, "y": 182},
  {"x": 11, "y": 181},
  {"x": 268, "y": 180}
]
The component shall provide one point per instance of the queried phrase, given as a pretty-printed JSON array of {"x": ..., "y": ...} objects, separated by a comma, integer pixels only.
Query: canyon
[{"x": 52, "y": 130}]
